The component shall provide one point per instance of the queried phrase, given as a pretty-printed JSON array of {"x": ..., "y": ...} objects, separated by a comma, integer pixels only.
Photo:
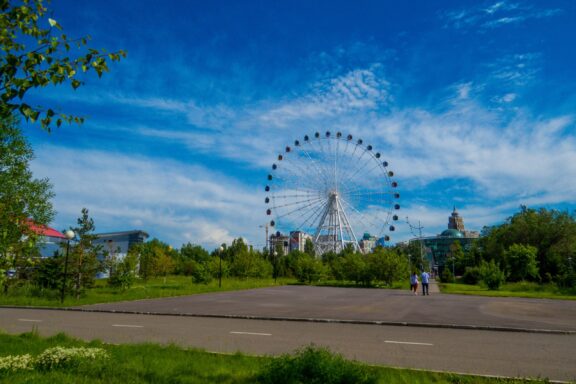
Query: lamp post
[
  {"x": 69, "y": 234},
  {"x": 274, "y": 266},
  {"x": 220, "y": 250}
]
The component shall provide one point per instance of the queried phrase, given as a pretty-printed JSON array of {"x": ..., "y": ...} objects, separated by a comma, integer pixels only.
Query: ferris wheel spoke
[
  {"x": 360, "y": 192},
  {"x": 355, "y": 169},
  {"x": 293, "y": 203},
  {"x": 296, "y": 175},
  {"x": 363, "y": 216},
  {"x": 298, "y": 182},
  {"x": 354, "y": 173},
  {"x": 299, "y": 209},
  {"x": 318, "y": 170},
  {"x": 293, "y": 196},
  {"x": 324, "y": 167},
  {"x": 316, "y": 212},
  {"x": 299, "y": 169}
]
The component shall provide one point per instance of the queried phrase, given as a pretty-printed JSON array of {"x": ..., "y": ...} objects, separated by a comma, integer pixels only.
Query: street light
[
  {"x": 220, "y": 250},
  {"x": 275, "y": 272},
  {"x": 69, "y": 234}
]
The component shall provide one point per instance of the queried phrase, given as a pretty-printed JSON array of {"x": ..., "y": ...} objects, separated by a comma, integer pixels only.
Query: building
[
  {"x": 456, "y": 222},
  {"x": 298, "y": 240},
  {"x": 438, "y": 248},
  {"x": 279, "y": 242},
  {"x": 119, "y": 242},
  {"x": 367, "y": 243},
  {"x": 50, "y": 241}
]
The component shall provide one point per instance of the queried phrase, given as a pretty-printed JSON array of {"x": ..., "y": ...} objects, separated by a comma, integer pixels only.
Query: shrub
[
  {"x": 51, "y": 358},
  {"x": 447, "y": 276},
  {"x": 57, "y": 357},
  {"x": 471, "y": 275},
  {"x": 200, "y": 272},
  {"x": 313, "y": 365},
  {"x": 15, "y": 363},
  {"x": 491, "y": 275}
]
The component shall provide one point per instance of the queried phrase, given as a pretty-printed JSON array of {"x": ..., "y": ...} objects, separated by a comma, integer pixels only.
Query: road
[{"x": 485, "y": 352}]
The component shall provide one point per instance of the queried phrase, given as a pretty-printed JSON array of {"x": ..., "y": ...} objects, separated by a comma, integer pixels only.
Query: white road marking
[
  {"x": 407, "y": 342},
  {"x": 127, "y": 326},
  {"x": 31, "y": 320},
  {"x": 251, "y": 333}
]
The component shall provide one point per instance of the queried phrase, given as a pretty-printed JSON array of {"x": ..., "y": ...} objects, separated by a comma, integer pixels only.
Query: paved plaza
[{"x": 368, "y": 305}]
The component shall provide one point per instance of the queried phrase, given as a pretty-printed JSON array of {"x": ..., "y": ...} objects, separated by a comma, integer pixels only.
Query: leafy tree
[
  {"x": 354, "y": 268},
  {"x": 83, "y": 255},
  {"x": 24, "y": 200},
  {"x": 456, "y": 256},
  {"x": 153, "y": 257},
  {"x": 189, "y": 257},
  {"x": 552, "y": 232},
  {"x": 36, "y": 54},
  {"x": 194, "y": 252},
  {"x": 306, "y": 268},
  {"x": 246, "y": 262},
  {"x": 309, "y": 248},
  {"x": 521, "y": 263},
  {"x": 123, "y": 274},
  {"x": 201, "y": 273},
  {"x": 387, "y": 266}
]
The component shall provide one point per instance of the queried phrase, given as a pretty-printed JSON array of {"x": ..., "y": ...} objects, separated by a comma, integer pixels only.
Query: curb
[{"x": 311, "y": 320}]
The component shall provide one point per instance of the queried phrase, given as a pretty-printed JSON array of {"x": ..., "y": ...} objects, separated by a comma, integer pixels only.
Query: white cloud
[
  {"x": 175, "y": 201},
  {"x": 357, "y": 90}
]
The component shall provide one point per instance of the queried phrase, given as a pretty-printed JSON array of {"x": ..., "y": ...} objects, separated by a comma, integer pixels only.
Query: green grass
[
  {"x": 522, "y": 289},
  {"x": 151, "y": 363},
  {"x": 154, "y": 288}
]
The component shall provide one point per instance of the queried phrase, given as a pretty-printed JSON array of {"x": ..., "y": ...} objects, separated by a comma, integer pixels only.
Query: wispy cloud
[{"x": 496, "y": 15}]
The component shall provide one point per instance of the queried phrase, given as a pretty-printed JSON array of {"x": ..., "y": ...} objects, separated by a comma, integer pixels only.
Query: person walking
[
  {"x": 425, "y": 280},
  {"x": 414, "y": 283}
]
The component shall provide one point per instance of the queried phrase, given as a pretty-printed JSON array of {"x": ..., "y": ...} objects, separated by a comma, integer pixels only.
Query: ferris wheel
[{"x": 333, "y": 188}]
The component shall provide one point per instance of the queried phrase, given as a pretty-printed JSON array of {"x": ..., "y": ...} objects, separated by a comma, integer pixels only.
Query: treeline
[
  {"x": 75, "y": 267},
  {"x": 536, "y": 245}
]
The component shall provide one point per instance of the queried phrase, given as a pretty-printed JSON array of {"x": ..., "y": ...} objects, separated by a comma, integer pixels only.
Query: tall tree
[
  {"x": 84, "y": 254},
  {"x": 23, "y": 199},
  {"x": 35, "y": 54}
]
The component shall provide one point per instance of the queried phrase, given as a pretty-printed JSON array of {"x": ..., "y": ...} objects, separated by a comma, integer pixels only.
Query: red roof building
[{"x": 44, "y": 230}]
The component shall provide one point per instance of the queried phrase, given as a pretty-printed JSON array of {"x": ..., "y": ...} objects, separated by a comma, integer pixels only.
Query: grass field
[
  {"x": 522, "y": 289},
  {"x": 150, "y": 363},
  {"x": 160, "y": 287}
]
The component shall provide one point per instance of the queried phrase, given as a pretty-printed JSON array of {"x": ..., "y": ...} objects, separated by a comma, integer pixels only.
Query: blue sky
[{"x": 472, "y": 103}]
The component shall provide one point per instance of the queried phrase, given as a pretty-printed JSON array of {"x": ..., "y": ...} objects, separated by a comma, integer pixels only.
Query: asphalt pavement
[{"x": 365, "y": 306}]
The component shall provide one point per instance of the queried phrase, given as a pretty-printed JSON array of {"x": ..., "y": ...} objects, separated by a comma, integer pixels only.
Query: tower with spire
[{"x": 455, "y": 221}]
